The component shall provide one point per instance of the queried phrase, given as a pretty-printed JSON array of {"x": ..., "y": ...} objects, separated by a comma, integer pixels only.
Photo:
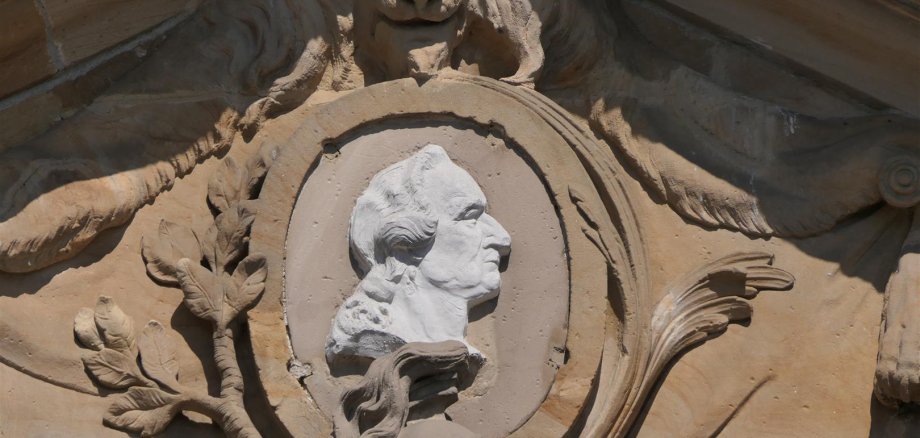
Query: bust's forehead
[{"x": 447, "y": 186}]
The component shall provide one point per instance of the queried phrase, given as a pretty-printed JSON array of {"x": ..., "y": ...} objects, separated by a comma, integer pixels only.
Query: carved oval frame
[{"x": 606, "y": 263}]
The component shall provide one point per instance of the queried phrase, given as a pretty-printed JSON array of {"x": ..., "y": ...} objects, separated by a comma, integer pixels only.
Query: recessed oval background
[{"x": 521, "y": 333}]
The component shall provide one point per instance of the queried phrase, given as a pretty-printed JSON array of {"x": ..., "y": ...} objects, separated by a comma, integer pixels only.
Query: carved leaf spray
[{"x": 220, "y": 283}]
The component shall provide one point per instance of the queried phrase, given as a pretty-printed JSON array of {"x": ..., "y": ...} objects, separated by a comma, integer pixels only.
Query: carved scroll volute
[{"x": 899, "y": 182}]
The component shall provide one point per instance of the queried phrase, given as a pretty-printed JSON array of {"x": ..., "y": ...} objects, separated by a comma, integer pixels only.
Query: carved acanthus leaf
[
  {"x": 220, "y": 292},
  {"x": 692, "y": 313},
  {"x": 150, "y": 405},
  {"x": 111, "y": 333},
  {"x": 697, "y": 307}
]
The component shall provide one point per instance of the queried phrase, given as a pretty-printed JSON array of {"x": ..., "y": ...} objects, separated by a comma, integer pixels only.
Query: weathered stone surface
[
  {"x": 83, "y": 28},
  {"x": 871, "y": 47},
  {"x": 712, "y": 215},
  {"x": 24, "y": 56}
]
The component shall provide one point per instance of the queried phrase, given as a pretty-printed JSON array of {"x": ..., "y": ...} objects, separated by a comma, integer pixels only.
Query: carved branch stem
[
  {"x": 226, "y": 412},
  {"x": 229, "y": 410},
  {"x": 225, "y": 357}
]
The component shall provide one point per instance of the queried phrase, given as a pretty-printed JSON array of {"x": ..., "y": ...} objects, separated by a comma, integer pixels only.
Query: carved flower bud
[
  {"x": 116, "y": 327},
  {"x": 84, "y": 326}
]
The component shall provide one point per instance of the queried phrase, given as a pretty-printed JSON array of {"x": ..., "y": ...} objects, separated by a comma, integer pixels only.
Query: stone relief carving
[
  {"x": 220, "y": 282},
  {"x": 696, "y": 309},
  {"x": 263, "y": 60},
  {"x": 428, "y": 253},
  {"x": 153, "y": 397},
  {"x": 720, "y": 152}
]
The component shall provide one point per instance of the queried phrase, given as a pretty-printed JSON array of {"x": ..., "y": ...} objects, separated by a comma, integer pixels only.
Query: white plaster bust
[{"x": 428, "y": 252}]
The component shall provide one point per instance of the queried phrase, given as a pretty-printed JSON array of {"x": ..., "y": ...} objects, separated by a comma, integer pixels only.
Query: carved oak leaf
[
  {"x": 114, "y": 369},
  {"x": 226, "y": 239},
  {"x": 220, "y": 299},
  {"x": 158, "y": 356},
  {"x": 228, "y": 186},
  {"x": 203, "y": 290},
  {"x": 172, "y": 243},
  {"x": 143, "y": 410},
  {"x": 117, "y": 329},
  {"x": 84, "y": 327},
  {"x": 258, "y": 167},
  {"x": 249, "y": 279}
]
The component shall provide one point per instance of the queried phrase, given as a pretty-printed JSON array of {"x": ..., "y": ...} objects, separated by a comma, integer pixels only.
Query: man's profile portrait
[{"x": 427, "y": 252}]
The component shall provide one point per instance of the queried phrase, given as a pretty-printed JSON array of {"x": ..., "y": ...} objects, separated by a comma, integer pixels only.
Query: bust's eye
[{"x": 471, "y": 212}]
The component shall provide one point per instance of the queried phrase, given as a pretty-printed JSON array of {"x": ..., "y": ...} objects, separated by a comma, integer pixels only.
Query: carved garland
[{"x": 220, "y": 283}]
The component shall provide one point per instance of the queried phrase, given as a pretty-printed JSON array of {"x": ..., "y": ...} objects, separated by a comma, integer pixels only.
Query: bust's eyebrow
[{"x": 468, "y": 203}]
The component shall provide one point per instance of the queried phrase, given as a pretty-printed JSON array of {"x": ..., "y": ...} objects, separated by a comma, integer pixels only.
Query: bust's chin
[{"x": 488, "y": 289}]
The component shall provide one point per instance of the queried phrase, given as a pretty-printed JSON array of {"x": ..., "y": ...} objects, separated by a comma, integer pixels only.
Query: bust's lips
[{"x": 493, "y": 257}]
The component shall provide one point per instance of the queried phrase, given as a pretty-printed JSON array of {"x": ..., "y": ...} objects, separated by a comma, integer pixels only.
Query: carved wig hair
[{"x": 391, "y": 225}]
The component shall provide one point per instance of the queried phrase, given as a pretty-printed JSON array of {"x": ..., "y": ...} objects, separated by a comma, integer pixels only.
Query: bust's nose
[{"x": 496, "y": 235}]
